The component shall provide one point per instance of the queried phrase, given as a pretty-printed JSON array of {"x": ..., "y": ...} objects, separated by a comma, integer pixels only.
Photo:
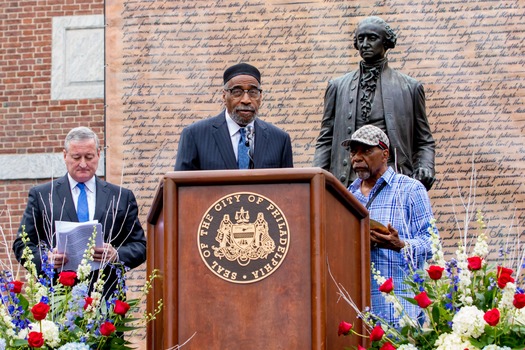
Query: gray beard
[
  {"x": 363, "y": 174},
  {"x": 240, "y": 121}
]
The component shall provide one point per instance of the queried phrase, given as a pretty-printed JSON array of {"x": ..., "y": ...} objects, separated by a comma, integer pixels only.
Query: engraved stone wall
[{"x": 166, "y": 58}]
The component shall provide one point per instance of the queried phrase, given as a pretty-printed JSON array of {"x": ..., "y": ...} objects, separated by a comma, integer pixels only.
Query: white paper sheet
[{"x": 73, "y": 239}]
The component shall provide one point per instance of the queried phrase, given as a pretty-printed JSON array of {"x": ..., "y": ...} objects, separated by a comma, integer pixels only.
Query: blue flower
[{"x": 74, "y": 346}]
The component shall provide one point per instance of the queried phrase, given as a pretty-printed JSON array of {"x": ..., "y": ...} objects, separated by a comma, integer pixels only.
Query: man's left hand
[
  {"x": 106, "y": 254},
  {"x": 424, "y": 175}
]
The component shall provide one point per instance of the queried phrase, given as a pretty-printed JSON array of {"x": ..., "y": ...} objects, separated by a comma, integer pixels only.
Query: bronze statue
[{"x": 378, "y": 95}]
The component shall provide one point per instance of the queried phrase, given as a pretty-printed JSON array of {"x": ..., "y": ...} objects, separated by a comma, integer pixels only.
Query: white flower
[
  {"x": 481, "y": 248},
  {"x": 407, "y": 347},
  {"x": 519, "y": 317},
  {"x": 507, "y": 296},
  {"x": 467, "y": 299},
  {"x": 464, "y": 277},
  {"x": 2, "y": 344},
  {"x": 468, "y": 322},
  {"x": 437, "y": 251},
  {"x": 452, "y": 341},
  {"x": 74, "y": 346},
  {"x": 24, "y": 332},
  {"x": 495, "y": 347},
  {"x": 5, "y": 318},
  {"x": 49, "y": 332},
  {"x": 377, "y": 275},
  {"x": 41, "y": 292},
  {"x": 84, "y": 269}
]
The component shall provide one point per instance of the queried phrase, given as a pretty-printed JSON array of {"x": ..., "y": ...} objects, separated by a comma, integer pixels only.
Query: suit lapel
[
  {"x": 102, "y": 198},
  {"x": 223, "y": 141},
  {"x": 351, "y": 90},
  {"x": 261, "y": 143},
  {"x": 63, "y": 203},
  {"x": 387, "y": 90}
]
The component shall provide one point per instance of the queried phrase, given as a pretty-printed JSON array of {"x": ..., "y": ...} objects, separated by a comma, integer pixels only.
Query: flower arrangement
[
  {"x": 41, "y": 313},
  {"x": 468, "y": 303}
]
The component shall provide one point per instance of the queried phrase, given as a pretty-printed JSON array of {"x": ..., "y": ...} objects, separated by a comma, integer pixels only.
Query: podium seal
[{"x": 243, "y": 237}]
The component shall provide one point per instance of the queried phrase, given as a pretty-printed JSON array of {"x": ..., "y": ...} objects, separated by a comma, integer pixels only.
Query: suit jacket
[
  {"x": 206, "y": 145},
  {"x": 405, "y": 118},
  {"x": 116, "y": 209}
]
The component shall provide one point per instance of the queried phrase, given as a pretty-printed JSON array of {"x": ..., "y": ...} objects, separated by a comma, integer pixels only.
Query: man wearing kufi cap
[
  {"x": 400, "y": 209},
  {"x": 235, "y": 138},
  {"x": 375, "y": 94}
]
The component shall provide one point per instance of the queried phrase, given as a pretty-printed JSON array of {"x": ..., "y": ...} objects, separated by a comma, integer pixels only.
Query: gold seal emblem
[{"x": 243, "y": 237}]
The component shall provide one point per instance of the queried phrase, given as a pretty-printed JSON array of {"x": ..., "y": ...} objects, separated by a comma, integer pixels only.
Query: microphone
[
  {"x": 249, "y": 136},
  {"x": 249, "y": 142}
]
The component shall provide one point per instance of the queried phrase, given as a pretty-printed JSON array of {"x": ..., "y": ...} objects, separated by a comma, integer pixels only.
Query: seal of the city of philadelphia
[{"x": 243, "y": 237}]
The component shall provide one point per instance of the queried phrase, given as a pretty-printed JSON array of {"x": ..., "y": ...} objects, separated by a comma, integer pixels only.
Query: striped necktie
[{"x": 243, "y": 157}]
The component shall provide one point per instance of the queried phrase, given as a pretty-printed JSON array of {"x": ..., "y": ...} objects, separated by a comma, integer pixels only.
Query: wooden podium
[{"x": 244, "y": 259}]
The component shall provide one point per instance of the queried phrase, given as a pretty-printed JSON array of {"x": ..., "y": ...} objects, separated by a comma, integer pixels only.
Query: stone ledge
[{"x": 37, "y": 166}]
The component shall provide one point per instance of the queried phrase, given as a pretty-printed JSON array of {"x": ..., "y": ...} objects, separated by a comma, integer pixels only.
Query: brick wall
[{"x": 30, "y": 122}]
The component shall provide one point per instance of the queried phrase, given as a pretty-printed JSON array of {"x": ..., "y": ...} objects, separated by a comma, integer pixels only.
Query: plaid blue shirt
[{"x": 405, "y": 204}]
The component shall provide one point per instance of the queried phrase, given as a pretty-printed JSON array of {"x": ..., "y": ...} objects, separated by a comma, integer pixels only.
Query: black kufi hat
[{"x": 241, "y": 69}]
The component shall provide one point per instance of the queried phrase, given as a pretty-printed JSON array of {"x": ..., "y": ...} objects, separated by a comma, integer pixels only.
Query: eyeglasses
[{"x": 238, "y": 92}]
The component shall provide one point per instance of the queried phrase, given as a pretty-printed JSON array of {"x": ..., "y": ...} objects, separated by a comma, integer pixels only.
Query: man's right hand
[
  {"x": 56, "y": 259},
  {"x": 424, "y": 175}
]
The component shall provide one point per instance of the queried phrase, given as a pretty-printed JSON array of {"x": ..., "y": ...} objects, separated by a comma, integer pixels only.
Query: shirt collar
[
  {"x": 233, "y": 127},
  {"x": 90, "y": 184}
]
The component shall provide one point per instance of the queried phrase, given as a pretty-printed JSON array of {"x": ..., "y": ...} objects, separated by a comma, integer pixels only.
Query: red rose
[
  {"x": 492, "y": 317},
  {"x": 387, "y": 286},
  {"x": 344, "y": 328},
  {"x": 107, "y": 329},
  {"x": 359, "y": 347},
  {"x": 435, "y": 272},
  {"x": 40, "y": 311},
  {"x": 87, "y": 302},
  {"x": 422, "y": 300},
  {"x": 121, "y": 307},
  {"x": 519, "y": 301},
  {"x": 387, "y": 346},
  {"x": 503, "y": 280},
  {"x": 504, "y": 276},
  {"x": 474, "y": 263},
  {"x": 67, "y": 278},
  {"x": 377, "y": 333},
  {"x": 35, "y": 339},
  {"x": 15, "y": 286},
  {"x": 504, "y": 271}
]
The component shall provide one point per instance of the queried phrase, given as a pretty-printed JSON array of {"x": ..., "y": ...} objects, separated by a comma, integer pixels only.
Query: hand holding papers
[{"x": 73, "y": 239}]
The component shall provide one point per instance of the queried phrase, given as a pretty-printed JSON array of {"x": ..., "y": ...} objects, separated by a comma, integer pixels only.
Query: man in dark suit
[
  {"x": 378, "y": 95},
  {"x": 113, "y": 206},
  {"x": 236, "y": 138}
]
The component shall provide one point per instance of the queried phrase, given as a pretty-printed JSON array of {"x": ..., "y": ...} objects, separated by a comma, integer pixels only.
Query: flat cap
[
  {"x": 368, "y": 135},
  {"x": 241, "y": 69}
]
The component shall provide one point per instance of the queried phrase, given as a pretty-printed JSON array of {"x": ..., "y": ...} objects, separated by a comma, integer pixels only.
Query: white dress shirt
[
  {"x": 90, "y": 192},
  {"x": 235, "y": 134}
]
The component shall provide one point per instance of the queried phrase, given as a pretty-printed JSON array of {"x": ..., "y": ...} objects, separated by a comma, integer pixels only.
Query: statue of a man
[{"x": 379, "y": 95}]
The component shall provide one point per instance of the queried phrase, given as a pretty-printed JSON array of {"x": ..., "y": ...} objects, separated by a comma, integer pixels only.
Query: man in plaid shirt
[{"x": 402, "y": 205}]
